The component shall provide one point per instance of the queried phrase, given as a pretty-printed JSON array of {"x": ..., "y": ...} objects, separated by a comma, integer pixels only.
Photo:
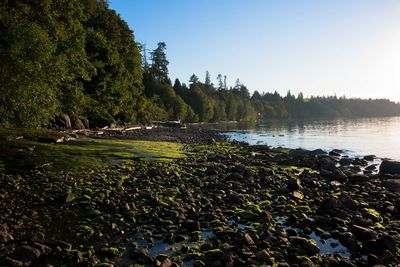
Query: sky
[{"x": 319, "y": 47}]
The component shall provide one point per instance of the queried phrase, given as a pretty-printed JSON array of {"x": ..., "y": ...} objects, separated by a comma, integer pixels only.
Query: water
[{"x": 357, "y": 137}]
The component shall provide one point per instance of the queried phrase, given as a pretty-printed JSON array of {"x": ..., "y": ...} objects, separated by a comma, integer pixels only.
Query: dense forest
[{"x": 80, "y": 58}]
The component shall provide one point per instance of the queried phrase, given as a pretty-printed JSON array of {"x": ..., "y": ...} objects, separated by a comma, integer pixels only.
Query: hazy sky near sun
[{"x": 318, "y": 47}]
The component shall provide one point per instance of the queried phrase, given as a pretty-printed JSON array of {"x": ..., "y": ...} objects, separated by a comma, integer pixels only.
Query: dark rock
[
  {"x": 293, "y": 184},
  {"x": 58, "y": 243},
  {"x": 389, "y": 167},
  {"x": 69, "y": 197},
  {"x": 180, "y": 238},
  {"x": 307, "y": 245},
  {"x": 337, "y": 261},
  {"x": 327, "y": 163},
  {"x": 248, "y": 240},
  {"x": 5, "y": 237},
  {"x": 7, "y": 261},
  {"x": 348, "y": 202},
  {"x": 358, "y": 179},
  {"x": 263, "y": 255},
  {"x": 43, "y": 248},
  {"x": 191, "y": 226},
  {"x": 387, "y": 242},
  {"x": 27, "y": 253},
  {"x": 331, "y": 203},
  {"x": 363, "y": 233},
  {"x": 392, "y": 184},
  {"x": 369, "y": 157},
  {"x": 142, "y": 256},
  {"x": 335, "y": 153},
  {"x": 345, "y": 161}
]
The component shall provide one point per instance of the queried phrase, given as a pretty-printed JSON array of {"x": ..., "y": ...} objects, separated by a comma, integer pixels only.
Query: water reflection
[{"x": 379, "y": 136}]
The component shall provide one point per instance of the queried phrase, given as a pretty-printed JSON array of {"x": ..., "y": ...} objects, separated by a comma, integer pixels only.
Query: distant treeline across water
[{"x": 80, "y": 58}]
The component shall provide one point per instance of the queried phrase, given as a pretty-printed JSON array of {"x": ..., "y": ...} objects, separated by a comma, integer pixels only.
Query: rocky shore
[{"x": 223, "y": 204}]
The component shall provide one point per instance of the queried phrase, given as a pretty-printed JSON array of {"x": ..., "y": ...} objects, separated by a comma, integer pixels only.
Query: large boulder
[
  {"x": 390, "y": 167},
  {"x": 64, "y": 121}
]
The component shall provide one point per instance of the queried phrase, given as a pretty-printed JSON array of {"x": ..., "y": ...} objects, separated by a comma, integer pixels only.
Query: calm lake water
[{"x": 358, "y": 137}]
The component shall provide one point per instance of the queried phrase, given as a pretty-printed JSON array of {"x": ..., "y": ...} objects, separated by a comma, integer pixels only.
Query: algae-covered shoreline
[{"x": 205, "y": 203}]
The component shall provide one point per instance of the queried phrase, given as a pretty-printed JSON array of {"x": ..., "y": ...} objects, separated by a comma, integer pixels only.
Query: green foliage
[{"x": 80, "y": 58}]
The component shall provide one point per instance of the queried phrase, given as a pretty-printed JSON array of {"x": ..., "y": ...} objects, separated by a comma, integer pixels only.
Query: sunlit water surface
[{"x": 357, "y": 137}]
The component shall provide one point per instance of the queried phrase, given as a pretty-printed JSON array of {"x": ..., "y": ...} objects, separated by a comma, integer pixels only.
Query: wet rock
[
  {"x": 43, "y": 248},
  {"x": 348, "y": 202},
  {"x": 345, "y": 161},
  {"x": 27, "y": 253},
  {"x": 337, "y": 261},
  {"x": 58, "y": 244},
  {"x": 331, "y": 203},
  {"x": 7, "y": 261},
  {"x": 5, "y": 237},
  {"x": 307, "y": 245},
  {"x": 387, "y": 242},
  {"x": 263, "y": 256},
  {"x": 142, "y": 256},
  {"x": 389, "y": 167},
  {"x": 248, "y": 240},
  {"x": 180, "y": 238},
  {"x": 369, "y": 157},
  {"x": 358, "y": 179},
  {"x": 69, "y": 197},
  {"x": 191, "y": 226},
  {"x": 335, "y": 153},
  {"x": 363, "y": 233},
  {"x": 293, "y": 184},
  {"x": 392, "y": 184},
  {"x": 327, "y": 163}
]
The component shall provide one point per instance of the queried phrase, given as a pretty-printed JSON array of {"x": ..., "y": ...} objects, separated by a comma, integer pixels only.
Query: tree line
[{"x": 80, "y": 58}]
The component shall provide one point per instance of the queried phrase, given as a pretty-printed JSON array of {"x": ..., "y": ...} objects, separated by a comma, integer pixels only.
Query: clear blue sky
[{"x": 319, "y": 47}]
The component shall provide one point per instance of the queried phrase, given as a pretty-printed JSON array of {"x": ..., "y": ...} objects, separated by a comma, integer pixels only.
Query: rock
[
  {"x": 326, "y": 163},
  {"x": 43, "y": 248},
  {"x": 348, "y": 202},
  {"x": 7, "y": 261},
  {"x": 335, "y": 153},
  {"x": 307, "y": 245},
  {"x": 293, "y": 184},
  {"x": 363, "y": 233},
  {"x": 387, "y": 242},
  {"x": 331, "y": 203},
  {"x": 263, "y": 255},
  {"x": 298, "y": 195},
  {"x": 369, "y": 157},
  {"x": 58, "y": 243},
  {"x": 78, "y": 124},
  {"x": 345, "y": 161},
  {"x": 5, "y": 237},
  {"x": 248, "y": 240},
  {"x": 180, "y": 238},
  {"x": 69, "y": 197},
  {"x": 27, "y": 253},
  {"x": 358, "y": 179},
  {"x": 392, "y": 184},
  {"x": 66, "y": 121},
  {"x": 86, "y": 123},
  {"x": 389, "y": 167},
  {"x": 191, "y": 226},
  {"x": 142, "y": 256}
]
